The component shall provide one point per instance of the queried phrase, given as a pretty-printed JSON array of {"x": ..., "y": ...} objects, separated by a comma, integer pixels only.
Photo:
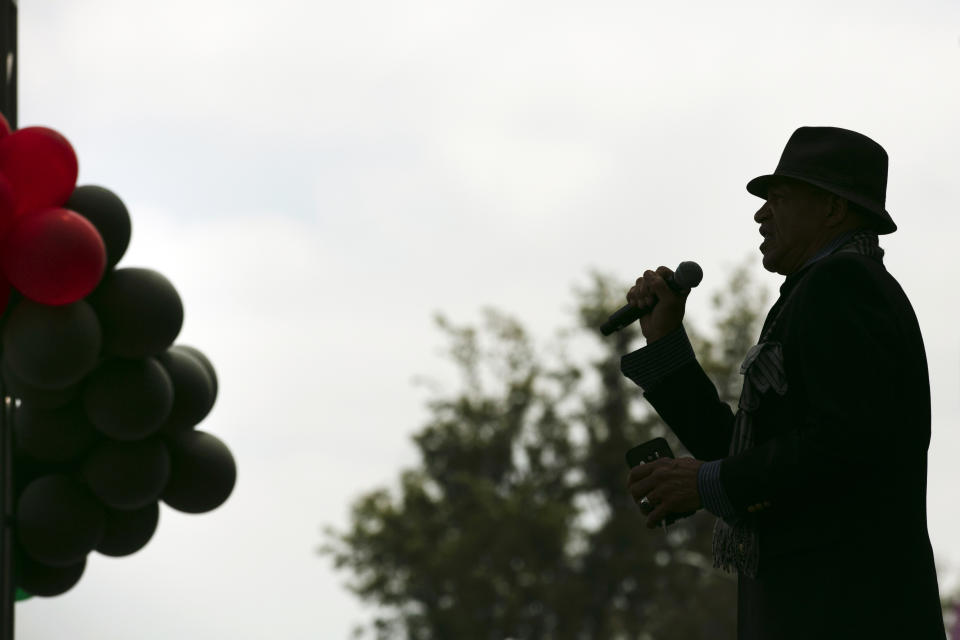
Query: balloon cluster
[{"x": 106, "y": 405}]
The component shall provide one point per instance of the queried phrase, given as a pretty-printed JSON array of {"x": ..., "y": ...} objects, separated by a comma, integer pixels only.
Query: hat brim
[{"x": 760, "y": 185}]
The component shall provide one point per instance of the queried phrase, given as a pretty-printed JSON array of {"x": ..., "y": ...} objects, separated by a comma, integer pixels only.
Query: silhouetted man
[{"x": 819, "y": 479}]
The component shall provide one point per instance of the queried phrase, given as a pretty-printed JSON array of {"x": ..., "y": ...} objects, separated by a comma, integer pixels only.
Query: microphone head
[{"x": 688, "y": 275}]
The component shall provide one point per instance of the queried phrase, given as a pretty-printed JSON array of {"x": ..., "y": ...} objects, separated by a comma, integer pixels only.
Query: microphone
[{"x": 687, "y": 275}]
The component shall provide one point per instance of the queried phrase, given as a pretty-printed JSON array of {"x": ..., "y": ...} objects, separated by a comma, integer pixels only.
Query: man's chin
[{"x": 770, "y": 262}]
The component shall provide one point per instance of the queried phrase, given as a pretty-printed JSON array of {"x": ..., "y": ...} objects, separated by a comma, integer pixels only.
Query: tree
[
  {"x": 517, "y": 523},
  {"x": 950, "y": 604}
]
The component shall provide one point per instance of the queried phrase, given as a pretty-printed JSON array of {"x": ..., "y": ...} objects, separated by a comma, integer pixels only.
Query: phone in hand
[{"x": 648, "y": 452}]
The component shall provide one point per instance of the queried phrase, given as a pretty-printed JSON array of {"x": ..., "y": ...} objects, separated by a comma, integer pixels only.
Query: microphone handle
[{"x": 628, "y": 314}]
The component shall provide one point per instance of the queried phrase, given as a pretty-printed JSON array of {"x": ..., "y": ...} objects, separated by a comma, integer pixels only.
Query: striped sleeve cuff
[
  {"x": 712, "y": 495},
  {"x": 650, "y": 364}
]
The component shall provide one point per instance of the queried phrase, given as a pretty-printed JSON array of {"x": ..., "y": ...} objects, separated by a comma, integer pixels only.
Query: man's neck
[{"x": 828, "y": 246}]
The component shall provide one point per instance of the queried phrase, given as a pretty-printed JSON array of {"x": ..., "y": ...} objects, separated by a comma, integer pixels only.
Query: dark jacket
[{"x": 841, "y": 460}]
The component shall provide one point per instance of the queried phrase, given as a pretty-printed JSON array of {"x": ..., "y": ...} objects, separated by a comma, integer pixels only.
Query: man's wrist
[
  {"x": 712, "y": 495},
  {"x": 650, "y": 364}
]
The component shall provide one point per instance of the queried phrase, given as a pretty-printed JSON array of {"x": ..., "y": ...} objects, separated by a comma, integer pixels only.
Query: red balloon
[
  {"x": 8, "y": 215},
  {"x": 41, "y": 167},
  {"x": 4, "y": 126},
  {"x": 54, "y": 256}
]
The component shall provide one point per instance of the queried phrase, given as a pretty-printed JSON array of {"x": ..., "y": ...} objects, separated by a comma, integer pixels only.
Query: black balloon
[
  {"x": 128, "y": 399},
  {"x": 108, "y": 214},
  {"x": 26, "y": 469},
  {"x": 58, "y": 521},
  {"x": 53, "y": 435},
  {"x": 51, "y": 347},
  {"x": 129, "y": 531},
  {"x": 127, "y": 475},
  {"x": 192, "y": 390},
  {"x": 139, "y": 310},
  {"x": 202, "y": 472},
  {"x": 34, "y": 396},
  {"x": 15, "y": 298},
  {"x": 199, "y": 355},
  {"x": 42, "y": 580}
]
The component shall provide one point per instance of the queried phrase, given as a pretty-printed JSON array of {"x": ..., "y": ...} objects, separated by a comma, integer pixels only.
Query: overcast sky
[{"x": 318, "y": 178}]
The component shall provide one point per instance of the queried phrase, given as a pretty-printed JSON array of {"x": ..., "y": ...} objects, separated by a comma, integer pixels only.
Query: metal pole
[
  {"x": 8, "y": 79},
  {"x": 8, "y": 60},
  {"x": 7, "y": 587}
]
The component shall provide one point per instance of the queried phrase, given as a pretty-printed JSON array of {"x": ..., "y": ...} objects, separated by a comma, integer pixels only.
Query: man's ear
[{"x": 837, "y": 210}]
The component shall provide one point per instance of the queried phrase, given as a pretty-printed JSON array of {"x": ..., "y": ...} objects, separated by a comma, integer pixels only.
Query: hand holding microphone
[{"x": 658, "y": 299}]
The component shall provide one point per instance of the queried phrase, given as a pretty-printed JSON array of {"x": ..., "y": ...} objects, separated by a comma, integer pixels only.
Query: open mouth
[{"x": 767, "y": 237}]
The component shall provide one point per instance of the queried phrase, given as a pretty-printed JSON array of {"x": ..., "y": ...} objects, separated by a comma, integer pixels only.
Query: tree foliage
[{"x": 517, "y": 522}]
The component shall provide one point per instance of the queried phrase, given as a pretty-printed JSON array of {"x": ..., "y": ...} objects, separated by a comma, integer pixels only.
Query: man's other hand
[{"x": 670, "y": 484}]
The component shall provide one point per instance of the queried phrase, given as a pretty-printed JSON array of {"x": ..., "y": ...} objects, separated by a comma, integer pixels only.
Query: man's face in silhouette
[{"x": 796, "y": 220}]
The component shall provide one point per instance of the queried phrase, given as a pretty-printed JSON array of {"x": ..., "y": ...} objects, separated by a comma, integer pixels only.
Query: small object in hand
[{"x": 648, "y": 452}]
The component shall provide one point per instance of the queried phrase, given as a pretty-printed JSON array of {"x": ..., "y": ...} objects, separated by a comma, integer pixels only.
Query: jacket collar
[{"x": 827, "y": 249}]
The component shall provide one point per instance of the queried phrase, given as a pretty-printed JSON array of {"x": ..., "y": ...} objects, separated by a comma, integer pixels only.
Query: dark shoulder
[
  {"x": 856, "y": 291},
  {"x": 847, "y": 271},
  {"x": 845, "y": 280}
]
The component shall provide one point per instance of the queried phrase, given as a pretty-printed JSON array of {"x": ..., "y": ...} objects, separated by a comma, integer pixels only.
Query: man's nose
[{"x": 761, "y": 213}]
